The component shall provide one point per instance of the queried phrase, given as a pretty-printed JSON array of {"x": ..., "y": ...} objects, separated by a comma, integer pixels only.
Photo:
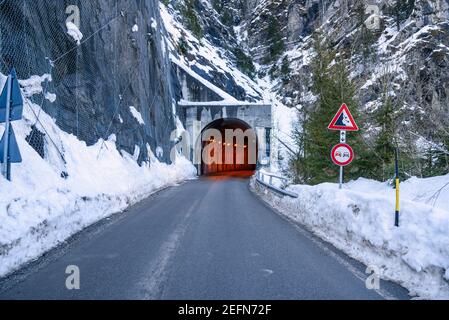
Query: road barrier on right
[{"x": 262, "y": 176}]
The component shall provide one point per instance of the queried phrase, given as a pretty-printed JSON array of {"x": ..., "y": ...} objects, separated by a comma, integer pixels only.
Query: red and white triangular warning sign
[{"x": 343, "y": 120}]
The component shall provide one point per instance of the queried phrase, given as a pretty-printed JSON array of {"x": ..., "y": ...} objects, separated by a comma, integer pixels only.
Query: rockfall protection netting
[{"x": 76, "y": 65}]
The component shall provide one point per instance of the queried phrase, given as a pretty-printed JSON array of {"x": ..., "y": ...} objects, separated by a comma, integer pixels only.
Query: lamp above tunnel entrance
[{"x": 228, "y": 146}]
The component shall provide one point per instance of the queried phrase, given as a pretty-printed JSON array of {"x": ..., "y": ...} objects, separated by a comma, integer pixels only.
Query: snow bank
[
  {"x": 360, "y": 221},
  {"x": 41, "y": 209}
]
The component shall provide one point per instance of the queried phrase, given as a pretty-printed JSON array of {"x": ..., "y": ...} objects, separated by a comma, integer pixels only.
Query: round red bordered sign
[{"x": 342, "y": 154}]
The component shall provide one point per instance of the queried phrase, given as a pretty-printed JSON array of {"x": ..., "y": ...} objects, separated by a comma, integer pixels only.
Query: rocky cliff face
[
  {"x": 421, "y": 38},
  {"x": 405, "y": 58},
  {"x": 206, "y": 35},
  {"x": 248, "y": 48},
  {"x": 409, "y": 58},
  {"x": 121, "y": 61}
]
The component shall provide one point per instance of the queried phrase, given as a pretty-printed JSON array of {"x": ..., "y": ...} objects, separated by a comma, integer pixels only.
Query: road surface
[{"x": 211, "y": 238}]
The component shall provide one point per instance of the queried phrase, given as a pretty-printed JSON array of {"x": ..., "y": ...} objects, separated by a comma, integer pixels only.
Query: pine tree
[
  {"x": 285, "y": 70},
  {"x": 183, "y": 46},
  {"x": 332, "y": 86},
  {"x": 191, "y": 18},
  {"x": 244, "y": 62},
  {"x": 401, "y": 10},
  {"x": 274, "y": 37},
  {"x": 385, "y": 141},
  {"x": 366, "y": 39},
  {"x": 226, "y": 18},
  {"x": 217, "y": 5}
]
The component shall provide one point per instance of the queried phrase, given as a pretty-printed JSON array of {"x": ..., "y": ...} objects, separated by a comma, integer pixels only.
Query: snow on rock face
[
  {"x": 33, "y": 85},
  {"x": 136, "y": 114},
  {"x": 153, "y": 23},
  {"x": 101, "y": 75},
  {"x": 360, "y": 221},
  {"x": 159, "y": 152},
  {"x": 74, "y": 32},
  {"x": 50, "y": 96},
  {"x": 222, "y": 94},
  {"x": 208, "y": 59}
]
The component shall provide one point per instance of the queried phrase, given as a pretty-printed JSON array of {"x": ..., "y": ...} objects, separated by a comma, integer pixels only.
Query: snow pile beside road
[
  {"x": 41, "y": 208},
  {"x": 360, "y": 221}
]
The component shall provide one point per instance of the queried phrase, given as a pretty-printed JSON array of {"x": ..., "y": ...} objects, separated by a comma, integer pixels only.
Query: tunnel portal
[{"x": 229, "y": 145}]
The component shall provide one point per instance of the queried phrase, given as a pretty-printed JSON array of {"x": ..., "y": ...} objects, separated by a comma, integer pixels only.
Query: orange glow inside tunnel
[{"x": 230, "y": 151}]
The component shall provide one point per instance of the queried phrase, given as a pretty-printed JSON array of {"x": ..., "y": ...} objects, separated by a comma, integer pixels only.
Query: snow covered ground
[
  {"x": 40, "y": 209},
  {"x": 360, "y": 221}
]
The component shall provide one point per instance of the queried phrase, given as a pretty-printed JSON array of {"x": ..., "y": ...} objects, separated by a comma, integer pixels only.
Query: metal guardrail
[{"x": 260, "y": 179}]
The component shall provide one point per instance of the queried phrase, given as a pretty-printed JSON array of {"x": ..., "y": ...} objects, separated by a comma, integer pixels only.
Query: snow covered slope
[
  {"x": 360, "y": 221},
  {"x": 208, "y": 60},
  {"x": 211, "y": 61}
]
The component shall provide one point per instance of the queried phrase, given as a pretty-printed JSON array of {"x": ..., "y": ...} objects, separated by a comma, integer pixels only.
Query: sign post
[
  {"x": 11, "y": 109},
  {"x": 342, "y": 154},
  {"x": 6, "y": 164},
  {"x": 397, "y": 182},
  {"x": 342, "y": 140}
]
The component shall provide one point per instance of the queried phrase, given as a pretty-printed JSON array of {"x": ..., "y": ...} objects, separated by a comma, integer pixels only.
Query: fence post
[{"x": 397, "y": 183}]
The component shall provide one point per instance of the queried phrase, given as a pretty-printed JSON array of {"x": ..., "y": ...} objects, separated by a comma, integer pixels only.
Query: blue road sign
[
  {"x": 13, "y": 148},
  {"x": 16, "y": 100}
]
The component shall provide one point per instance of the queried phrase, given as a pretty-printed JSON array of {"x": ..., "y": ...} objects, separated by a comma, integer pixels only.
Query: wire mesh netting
[{"x": 90, "y": 77}]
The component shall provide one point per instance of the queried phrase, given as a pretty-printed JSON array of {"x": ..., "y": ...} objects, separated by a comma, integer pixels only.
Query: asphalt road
[{"x": 211, "y": 238}]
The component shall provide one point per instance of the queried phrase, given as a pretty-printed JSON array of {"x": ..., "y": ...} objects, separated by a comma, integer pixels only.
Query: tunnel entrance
[{"x": 228, "y": 146}]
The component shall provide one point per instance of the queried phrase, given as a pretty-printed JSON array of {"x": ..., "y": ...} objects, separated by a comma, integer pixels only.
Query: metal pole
[
  {"x": 6, "y": 164},
  {"x": 342, "y": 140},
  {"x": 341, "y": 177},
  {"x": 397, "y": 182}
]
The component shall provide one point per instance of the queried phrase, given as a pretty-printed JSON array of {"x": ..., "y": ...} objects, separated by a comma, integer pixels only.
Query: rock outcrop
[{"x": 121, "y": 61}]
